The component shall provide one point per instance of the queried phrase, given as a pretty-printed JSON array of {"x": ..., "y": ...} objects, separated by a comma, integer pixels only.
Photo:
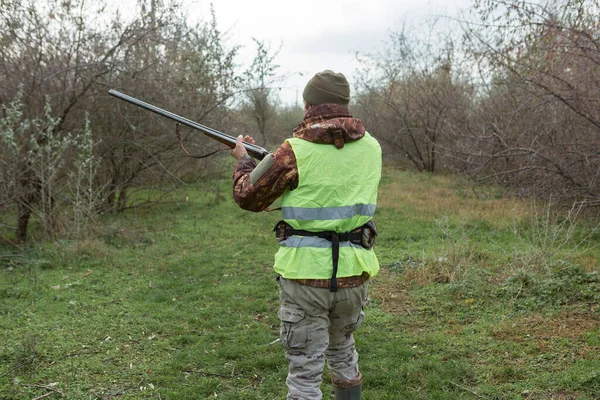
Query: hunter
[{"x": 327, "y": 176}]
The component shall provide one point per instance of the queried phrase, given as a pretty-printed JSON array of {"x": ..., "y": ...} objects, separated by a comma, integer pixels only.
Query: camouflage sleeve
[{"x": 255, "y": 187}]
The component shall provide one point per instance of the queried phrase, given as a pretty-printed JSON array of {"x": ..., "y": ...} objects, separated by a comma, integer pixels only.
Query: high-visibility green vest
[{"x": 337, "y": 191}]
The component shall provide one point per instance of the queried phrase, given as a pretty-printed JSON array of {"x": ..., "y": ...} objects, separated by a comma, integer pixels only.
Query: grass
[{"x": 479, "y": 297}]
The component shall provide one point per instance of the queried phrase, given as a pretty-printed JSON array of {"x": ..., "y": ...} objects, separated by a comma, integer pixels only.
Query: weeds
[
  {"x": 549, "y": 233},
  {"x": 453, "y": 255},
  {"x": 24, "y": 356},
  {"x": 564, "y": 284}
]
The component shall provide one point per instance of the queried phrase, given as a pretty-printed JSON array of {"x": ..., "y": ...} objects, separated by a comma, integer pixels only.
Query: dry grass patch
[
  {"x": 435, "y": 272},
  {"x": 567, "y": 325},
  {"x": 91, "y": 248},
  {"x": 562, "y": 395},
  {"x": 438, "y": 197},
  {"x": 574, "y": 326},
  {"x": 588, "y": 261},
  {"x": 390, "y": 292}
]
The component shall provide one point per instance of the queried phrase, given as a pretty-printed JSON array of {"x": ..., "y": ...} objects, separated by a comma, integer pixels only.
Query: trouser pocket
[
  {"x": 347, "y": 324},
  {"x": 348, "y": 314},
  {"x": 293, "y": 331}
]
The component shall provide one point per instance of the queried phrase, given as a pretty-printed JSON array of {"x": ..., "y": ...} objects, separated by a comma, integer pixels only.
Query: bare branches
[
  {"x": 537, "y": 125},
  {"x": 412, "y": 97},
  {"x": 64, "y": 67},
  {"x": 521, "y": 109}
]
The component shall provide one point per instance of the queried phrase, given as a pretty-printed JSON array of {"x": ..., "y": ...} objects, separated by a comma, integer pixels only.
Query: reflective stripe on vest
[
  {"x": 328, "y": 213},
  {"x": 312, "y": 241},
  {"x": 337, "y": 191}
]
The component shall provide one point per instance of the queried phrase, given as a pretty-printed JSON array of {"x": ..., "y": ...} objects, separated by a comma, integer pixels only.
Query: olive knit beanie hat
[{"x": 327, "y": 87}]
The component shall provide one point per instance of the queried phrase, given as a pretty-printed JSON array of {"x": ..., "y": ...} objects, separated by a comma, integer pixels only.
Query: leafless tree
[
  {"x": 259, "y": 96},
  {"x": 537, "y": 126},
  {"x": 409, "y": 96}
]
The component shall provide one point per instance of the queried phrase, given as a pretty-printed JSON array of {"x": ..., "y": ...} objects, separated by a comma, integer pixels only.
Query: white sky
[{"x": 314, "y": 35}]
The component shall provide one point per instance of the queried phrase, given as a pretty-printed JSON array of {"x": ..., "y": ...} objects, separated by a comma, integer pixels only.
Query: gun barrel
[{"x": 254, "y": 150}]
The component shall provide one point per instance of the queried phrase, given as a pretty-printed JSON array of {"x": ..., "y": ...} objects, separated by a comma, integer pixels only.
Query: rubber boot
[{"x": 353, "y": 393}]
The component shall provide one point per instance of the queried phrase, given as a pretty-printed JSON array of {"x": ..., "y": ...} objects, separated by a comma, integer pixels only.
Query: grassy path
[{"x": 479, "y": 298}]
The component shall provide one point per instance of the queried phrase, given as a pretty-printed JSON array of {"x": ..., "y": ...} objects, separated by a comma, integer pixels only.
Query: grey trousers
[{"x": 317, "y": 326}]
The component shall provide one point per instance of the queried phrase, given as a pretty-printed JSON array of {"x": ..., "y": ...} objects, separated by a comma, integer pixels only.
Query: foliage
[
  {"x": 85, "y": 195},
  {"x": 181, "y": 68},
  {"x": 564, "y": 284},
  {"x": 64, "y": 56},
  {"x": 33, "y": 163},
  {"x": 514, "y": 104}
]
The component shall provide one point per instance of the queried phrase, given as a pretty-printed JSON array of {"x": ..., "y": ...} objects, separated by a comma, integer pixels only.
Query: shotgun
[{"x": 255, "y": 151}]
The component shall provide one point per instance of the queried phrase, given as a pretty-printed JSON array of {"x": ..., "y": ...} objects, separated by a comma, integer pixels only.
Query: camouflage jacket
[{"x": 323, "y": 124}]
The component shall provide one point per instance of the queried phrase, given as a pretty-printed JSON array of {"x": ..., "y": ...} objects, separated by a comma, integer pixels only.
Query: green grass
[{"x": 479, "y": 297}]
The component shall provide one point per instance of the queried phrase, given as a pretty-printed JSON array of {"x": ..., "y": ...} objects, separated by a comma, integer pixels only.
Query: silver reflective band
[
  {"x": 327, "y": 213},
  {"x": 313, "y": 241}
]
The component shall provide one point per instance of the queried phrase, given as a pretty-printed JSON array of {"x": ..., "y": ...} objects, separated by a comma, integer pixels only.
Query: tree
[
  {"x": 538, "y": 123},
  {"x": 64, "y": 55},
  {"x": 259, "y": 98},
  {"x": 32, "y": 164},
  {"x": 185, "y": 69},
  {"x": 52, "y": 56},
  {"x": 410, "y": 97}
]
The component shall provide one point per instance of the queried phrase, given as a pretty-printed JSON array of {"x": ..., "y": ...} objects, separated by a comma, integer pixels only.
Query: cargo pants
[{"x": 317, "y": 326}]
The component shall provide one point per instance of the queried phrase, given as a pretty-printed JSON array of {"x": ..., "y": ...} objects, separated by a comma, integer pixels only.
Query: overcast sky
[{"x": 314, "y": 35}]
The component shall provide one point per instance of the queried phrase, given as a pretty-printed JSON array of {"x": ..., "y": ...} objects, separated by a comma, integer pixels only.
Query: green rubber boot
[{"x": 353, "y": 393}]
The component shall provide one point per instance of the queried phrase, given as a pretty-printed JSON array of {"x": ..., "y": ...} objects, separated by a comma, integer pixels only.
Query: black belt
[{"x": 284, "y": 230}]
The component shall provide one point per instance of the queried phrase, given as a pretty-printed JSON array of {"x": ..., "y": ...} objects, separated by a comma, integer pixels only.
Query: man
[{"x": 327, "y": 176}]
